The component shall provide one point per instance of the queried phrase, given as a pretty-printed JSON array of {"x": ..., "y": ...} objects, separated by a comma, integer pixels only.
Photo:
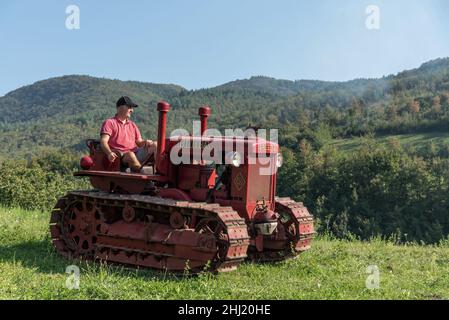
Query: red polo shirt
[{"x": 123, "y": 135}]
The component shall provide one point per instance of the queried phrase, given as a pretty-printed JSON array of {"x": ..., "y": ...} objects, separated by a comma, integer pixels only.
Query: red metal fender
[{"x": 174, "y": 194}]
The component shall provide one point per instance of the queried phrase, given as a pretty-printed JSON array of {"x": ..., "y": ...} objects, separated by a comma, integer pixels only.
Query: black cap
[{"x": 126, "y": 101}]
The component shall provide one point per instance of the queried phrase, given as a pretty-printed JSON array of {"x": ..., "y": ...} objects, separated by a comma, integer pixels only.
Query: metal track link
[
  {"x": 235, "y": 226},
  {"x": 298, "y": 211}
]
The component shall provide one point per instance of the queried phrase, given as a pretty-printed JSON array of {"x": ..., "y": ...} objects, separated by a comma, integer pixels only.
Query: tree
[
  {"x": 445, "y": 98},
  {"x": 436, "y": 104},
  {"x": 391, "y": 112},
  {"x": 414, "y": 106}
]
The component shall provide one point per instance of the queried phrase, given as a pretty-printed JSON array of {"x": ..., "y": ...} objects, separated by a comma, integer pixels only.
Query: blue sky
[{"x": 203, "y": 43}]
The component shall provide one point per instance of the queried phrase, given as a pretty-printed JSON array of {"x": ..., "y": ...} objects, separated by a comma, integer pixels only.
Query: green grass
[
  {"x": 406, "y": 140},
  {"x": 333, "y": 269}
]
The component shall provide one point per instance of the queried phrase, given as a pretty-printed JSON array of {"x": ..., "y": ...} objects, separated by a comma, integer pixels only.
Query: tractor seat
[{"x": 147, "y": 161}]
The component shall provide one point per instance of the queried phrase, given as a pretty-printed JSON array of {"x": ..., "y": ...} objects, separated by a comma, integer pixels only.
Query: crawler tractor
[{"x": 200, "y": 215}]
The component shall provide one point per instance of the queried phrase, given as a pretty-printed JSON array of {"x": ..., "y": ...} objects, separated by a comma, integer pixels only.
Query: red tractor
[{"x": 191, "y": 216}]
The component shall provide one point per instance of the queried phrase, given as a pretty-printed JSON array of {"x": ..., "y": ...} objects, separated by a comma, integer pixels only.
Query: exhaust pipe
[
  {"x": 161, "y": 165},
  {"x": 204, "y": 112}
]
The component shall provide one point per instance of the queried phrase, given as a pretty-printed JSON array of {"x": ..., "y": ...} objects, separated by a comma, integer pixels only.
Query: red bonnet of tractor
[{"x": 188, "y": 215}]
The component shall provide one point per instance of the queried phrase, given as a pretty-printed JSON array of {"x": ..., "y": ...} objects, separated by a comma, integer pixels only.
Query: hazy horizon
[{"x": 200, "y": 88}]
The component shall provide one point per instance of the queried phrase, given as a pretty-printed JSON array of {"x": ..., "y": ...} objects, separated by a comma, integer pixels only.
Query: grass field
[
  {"x": 406, "y": 140},
  {"x": 333, "y": 269}
]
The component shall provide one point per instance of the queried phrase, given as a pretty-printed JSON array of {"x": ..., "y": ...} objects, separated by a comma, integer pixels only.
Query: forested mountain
[{"x": 63, "y": 111}]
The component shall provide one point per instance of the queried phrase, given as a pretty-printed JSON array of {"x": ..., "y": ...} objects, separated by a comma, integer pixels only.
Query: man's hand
[
  {"x": 112, "y": 156},
  {"x": 146, "y": 143},
  {"x": 149, "y": 143}
]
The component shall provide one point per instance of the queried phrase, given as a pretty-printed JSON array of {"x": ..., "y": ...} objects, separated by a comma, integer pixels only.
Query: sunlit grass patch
[{"x": 332, "y": 269}]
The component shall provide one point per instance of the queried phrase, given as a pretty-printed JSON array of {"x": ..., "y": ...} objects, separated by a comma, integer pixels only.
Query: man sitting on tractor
[{"x": 121, "y": 138}]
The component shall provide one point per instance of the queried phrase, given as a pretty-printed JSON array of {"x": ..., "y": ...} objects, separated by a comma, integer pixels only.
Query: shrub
[
  {"x": 374, "y": 191},
  {"x": 32, "y": 187}
]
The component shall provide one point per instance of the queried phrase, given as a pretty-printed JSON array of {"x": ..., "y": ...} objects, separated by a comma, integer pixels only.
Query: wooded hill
[{"x": 64, "y": 111}]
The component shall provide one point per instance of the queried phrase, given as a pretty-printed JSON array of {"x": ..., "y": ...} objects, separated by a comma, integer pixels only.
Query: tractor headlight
[
  {"x": 279, "y": 160},
  {"x": 233, "y": 158}
]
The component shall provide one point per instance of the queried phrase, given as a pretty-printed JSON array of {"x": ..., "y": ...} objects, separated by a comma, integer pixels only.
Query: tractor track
[
  {"x": 302, "y": 220},
  {"x": 297, "y": 224},
  {"x": 86, "y": 228}
]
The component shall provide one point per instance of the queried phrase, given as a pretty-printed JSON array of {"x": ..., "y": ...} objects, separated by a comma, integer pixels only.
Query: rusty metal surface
[
  {"x": 119, "y": 175},
  {"x": 218, "y": 240},
  {"x": 294, "y": 234}
]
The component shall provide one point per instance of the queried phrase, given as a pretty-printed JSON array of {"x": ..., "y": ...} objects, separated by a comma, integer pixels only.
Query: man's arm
[
  {"x": 139, "y": 141},
  {"x": 143, "y": 143},
  {"x": 105, "y": 147}
]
